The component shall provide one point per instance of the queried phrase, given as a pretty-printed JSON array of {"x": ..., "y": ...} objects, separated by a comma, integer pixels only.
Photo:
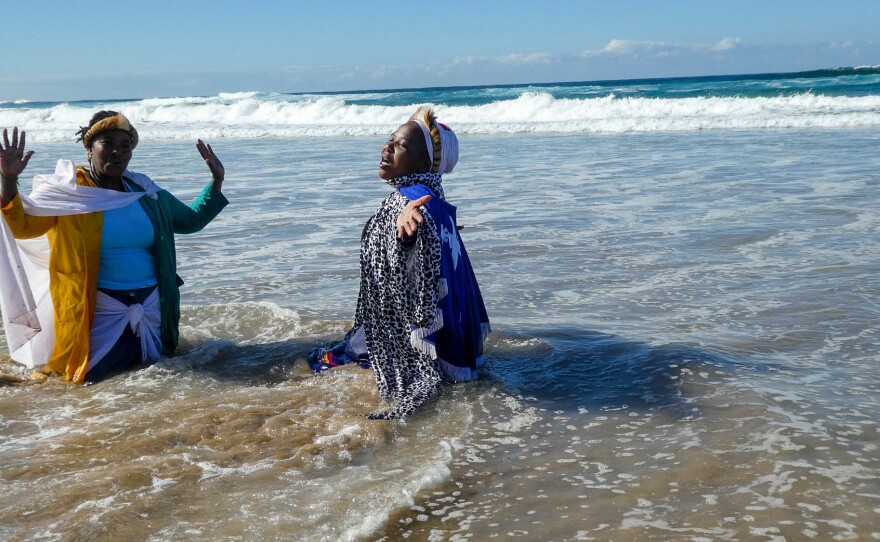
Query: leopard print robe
[{"x": 399, "y": 291}]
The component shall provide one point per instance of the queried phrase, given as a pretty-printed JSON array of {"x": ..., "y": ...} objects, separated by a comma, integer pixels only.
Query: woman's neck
[{"x": 108, "y": 183}]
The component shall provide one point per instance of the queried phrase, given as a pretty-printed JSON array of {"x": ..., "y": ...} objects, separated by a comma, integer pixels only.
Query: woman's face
[
  {"x": 404, "y": 153},
  {"x": 110, "y": 153}
]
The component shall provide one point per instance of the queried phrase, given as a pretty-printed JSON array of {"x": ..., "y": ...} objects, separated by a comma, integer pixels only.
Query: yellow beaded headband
[{"x": 116, "y": 122}]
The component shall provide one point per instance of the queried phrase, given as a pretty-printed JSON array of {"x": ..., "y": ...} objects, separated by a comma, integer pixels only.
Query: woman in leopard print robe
[{"x": 400, "y": 273}]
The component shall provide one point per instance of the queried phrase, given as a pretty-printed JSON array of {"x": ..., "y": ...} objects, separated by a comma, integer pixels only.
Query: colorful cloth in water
[{"x": 351, "y": 349}]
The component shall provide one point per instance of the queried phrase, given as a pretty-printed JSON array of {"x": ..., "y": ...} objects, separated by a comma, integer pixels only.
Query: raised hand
[
  {"x": 218, "y": 172},
  {"x": 13, "y": 159},
  {"x": 408, "y": 221}
]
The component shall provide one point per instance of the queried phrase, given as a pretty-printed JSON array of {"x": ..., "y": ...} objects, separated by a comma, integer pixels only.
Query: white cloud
[
  {"x": 464, "y": 61},
  {"x": 726, "y": 44},
  {"x": 533, "y": 58},
  {"x": 644, "y": 50},
  {"x": 635, "y": 48},
  {"x": 629, "y": 47},
  {"x": 307, "y": 69}
]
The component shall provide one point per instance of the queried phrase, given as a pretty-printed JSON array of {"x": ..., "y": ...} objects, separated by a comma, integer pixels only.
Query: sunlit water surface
[{"x": 685, "y": 347}]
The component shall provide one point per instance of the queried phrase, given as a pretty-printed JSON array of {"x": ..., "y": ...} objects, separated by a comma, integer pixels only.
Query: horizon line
[{"x": 818, "y": 72}]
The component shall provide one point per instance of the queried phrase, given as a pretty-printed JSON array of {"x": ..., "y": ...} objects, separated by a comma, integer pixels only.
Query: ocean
[{"x": 682, "y": 277}]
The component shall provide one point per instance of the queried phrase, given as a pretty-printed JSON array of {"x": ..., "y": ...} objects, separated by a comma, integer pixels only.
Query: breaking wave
[{"x": 248, "y": 115}]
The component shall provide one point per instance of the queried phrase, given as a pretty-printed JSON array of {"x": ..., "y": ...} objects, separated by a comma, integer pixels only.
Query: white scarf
[
  {"x": 448, "y": 146},
  {"x": 28, "y": 314}
]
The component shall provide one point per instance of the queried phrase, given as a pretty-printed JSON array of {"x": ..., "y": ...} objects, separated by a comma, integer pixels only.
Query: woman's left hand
[{"x": 218, "y": 172}]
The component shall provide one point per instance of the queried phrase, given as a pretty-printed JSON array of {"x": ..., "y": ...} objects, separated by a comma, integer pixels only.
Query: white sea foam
[
  {"x": 252, "y": 115},
  {"x": 212, "y": 470}
]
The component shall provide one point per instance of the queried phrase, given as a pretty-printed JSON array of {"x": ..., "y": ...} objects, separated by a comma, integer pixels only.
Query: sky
[{"x": 55, "y": 50}]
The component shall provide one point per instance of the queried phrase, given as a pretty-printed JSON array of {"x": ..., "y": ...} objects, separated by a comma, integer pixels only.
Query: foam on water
[
  {"x": 257, "y": 115},
  {"x": 822, "y": 99}
]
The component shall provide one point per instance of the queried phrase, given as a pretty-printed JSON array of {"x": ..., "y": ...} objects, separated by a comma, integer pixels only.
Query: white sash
[
  {"x": 111, "y": 317},
  {"x": 28, "y": 314}
]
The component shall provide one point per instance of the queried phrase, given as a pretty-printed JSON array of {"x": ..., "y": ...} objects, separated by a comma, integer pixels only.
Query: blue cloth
[
  {"x": 459, "y": 342},
  {"x": 351, "y": 349},
  {"x": 127, "y": 249}
]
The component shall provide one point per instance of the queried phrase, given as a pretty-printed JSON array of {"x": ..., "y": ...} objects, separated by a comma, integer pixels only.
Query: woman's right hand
[
  {"x": 13, "y": 160},
  {"x": 408, "y": 221}
]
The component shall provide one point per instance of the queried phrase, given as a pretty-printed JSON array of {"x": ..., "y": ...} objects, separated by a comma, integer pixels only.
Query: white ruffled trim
[
  {"x": 459, "y": 374},
  {"x": 418, "y": 337}
]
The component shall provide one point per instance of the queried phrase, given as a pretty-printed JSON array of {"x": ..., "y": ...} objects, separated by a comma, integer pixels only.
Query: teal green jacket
[{"x": 169, "y": 215}]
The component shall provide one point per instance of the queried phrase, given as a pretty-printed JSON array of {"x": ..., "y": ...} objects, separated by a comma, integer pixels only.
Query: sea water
[{"x": 682, "y": 277}]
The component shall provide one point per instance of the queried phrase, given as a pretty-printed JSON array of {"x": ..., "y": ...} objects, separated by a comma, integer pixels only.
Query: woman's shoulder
[
  {"x": 83, "y": 178},
  {"x": 143, "y": 181},
  {"x": 416, "y": 191}
]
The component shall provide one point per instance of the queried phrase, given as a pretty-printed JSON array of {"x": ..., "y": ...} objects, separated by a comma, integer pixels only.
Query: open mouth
[{"x": 385, "y": 161}]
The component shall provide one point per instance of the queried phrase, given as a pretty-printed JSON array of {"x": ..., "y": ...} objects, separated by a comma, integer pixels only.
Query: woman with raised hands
[{"x": 89, "y": 285}]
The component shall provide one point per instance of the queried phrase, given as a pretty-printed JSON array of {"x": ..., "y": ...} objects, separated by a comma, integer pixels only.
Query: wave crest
[{"x": 249, "y": 115}]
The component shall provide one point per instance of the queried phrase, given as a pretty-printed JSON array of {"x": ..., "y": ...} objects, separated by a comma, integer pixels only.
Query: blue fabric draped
[{"x": 459, "y": 341}]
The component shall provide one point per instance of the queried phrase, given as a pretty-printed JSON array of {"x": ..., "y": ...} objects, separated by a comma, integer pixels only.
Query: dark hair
[{"x": 96, "y": 118}]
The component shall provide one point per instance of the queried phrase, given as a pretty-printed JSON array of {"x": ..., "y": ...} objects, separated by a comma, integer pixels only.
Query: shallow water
[{"x": 684, "y": 348}]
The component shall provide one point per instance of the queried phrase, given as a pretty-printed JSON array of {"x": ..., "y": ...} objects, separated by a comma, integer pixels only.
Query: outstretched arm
[{"x": 408, "y": 221}]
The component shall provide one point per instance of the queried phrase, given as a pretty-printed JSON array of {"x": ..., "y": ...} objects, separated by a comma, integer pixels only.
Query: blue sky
[{"x": 102, "y": 49}]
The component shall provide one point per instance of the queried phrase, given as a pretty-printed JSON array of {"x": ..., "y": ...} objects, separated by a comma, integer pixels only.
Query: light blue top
[{"x": 127, "y": 249}]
